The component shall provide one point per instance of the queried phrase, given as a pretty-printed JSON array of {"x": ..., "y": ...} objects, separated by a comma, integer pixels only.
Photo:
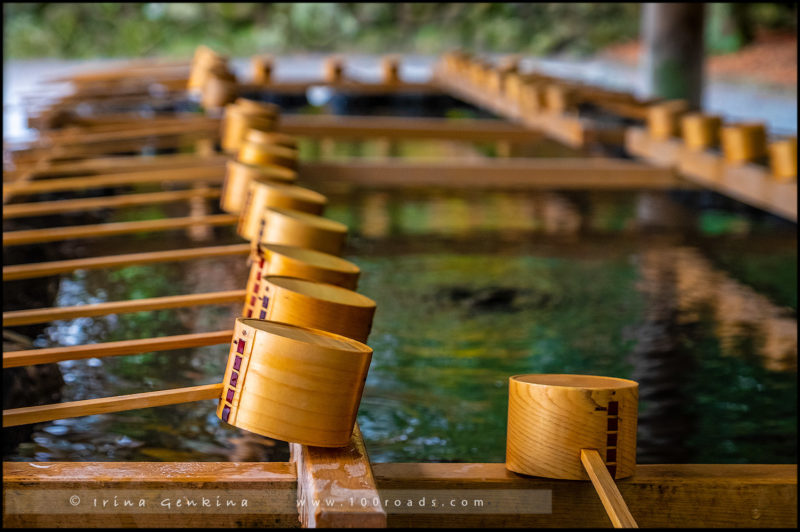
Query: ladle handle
[{"x": 609, "y": 494}]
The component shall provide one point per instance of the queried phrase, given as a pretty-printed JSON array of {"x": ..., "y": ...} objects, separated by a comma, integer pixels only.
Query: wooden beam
[
  {"x": 31, "y": 494},
  {"x": 32, "y": 357},
  {"x": 45, "y": 315},
  {"x": 50, "y": 234},
  {"x": 111, "y": 165},
  {"x": 343, "y": 476},
  {"x": 43, "y": 269},
  {"x": 106, "y": 405},
  {"x": 98, "y": 149},
  {"x": 44, "y": 208},
  {"x": 568, "y": 129},
  {"x": 749, "y": 183},
  {"x": 343, "y": 86},
  {"x": 147, "y": 128},
  {"x": 213, "y": 172},
  {"x": 659, "y": 495},
  {"x": 367, "y": 127},
  {"x": 674, "y": 496},
  {"x": 513, "y": 173}
]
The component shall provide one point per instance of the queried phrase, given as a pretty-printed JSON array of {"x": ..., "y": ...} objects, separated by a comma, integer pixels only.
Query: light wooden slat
[
  {"x": 43, "y": 208},
  {"x": 344, "y": 86},
  {"x": 107, "y": 405},
  {"x": 110, "y": 165},
  {"x": 50, "y": 234},
  {"x": 44, "y": 315},
  {"x": 516, "y": 173},
  {"x": 31, "y": 490},
  {"x": 212, "y": 172},
  {"x": 672, "y": 496},
  {"x": 128, "y": 123},
  {"x": 151, "y": 130},
  {"x": 43, "y": 269},
  {"x": 31, "y": 357},
  {"x": 607, "y": 490},
  {"x": 342, "y": 475},
  {"x": 25, "y": 158},
  {"x": 365, "y": 127}
]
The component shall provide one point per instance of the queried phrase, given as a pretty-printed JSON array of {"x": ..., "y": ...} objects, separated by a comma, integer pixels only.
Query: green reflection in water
[{"x": 437, "y": 389}]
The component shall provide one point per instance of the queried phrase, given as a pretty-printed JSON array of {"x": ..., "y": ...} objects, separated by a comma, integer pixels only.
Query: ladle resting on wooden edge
[{"x": 561, "y": 426}]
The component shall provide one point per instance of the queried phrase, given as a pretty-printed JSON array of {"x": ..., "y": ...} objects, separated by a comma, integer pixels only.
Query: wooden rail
[
  {"x": 343, "y": 86},
  {"x": 50, "y": 234},
  {"x": 366, "y": 127},
  {"x": 31, "y": 357},
  {"x": 212, "y": 172},
  {"x": 107, "y": 405},
  {"x": 674, "y": 496},
  {"x": 110, "y": 165},
  {"x": 45, "y": 315},
  {"x": 105, "y": 149},
  {"x": 30, "y": 491},
  {"x": 568, "y": 129},
  {"x": 658, "y": 495},
  {"x": 748, "y": 183},
  {"x": 45, "y": 208},
  {"x": 517, "y": 173},
  {"x": 43, "y": 269}
]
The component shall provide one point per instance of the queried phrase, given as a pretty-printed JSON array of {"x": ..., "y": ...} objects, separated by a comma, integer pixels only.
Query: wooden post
[
  {"x": 673, "y": 57},
  {"x": 337, "y": 474}
]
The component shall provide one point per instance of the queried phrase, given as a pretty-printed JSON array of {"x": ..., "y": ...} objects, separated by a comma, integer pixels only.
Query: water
[
  {"x": 697, "y": 303},
  {"x": 692, "y": 295}
]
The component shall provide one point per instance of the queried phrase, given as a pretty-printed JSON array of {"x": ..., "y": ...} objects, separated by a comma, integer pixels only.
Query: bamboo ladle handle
[{"x": 609, "y": 494}]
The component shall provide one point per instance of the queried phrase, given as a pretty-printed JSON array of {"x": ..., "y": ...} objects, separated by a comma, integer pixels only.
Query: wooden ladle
[{"x": 575, "y": 427}]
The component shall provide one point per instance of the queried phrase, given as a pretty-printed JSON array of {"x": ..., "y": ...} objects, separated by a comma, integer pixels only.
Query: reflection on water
[{"x": 472, "y": 287}]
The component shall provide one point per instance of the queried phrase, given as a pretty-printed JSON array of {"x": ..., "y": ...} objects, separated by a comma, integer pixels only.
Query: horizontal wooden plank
[
  {"x": 657, "y": 495},
  {"x": 213, "y": 171},
  {"x": 365, "y": 127},
  {"x": 99, "y": 474},
  {"x": 153, "y": 129},
  {"x": 515, "y": 173},
  {"x": 107, "y": 405},
  {"x": 51, "y": 234},
  {"x": 342, "y": 475},
  {"x": 183, "y": 141},
  {"x": 111, "y": 165},
  {"x": 43, "y": 269},
  {"x": 30, "y": 357},
  {"x": 44, "y": 208},
  {"x": 45, "y": 315},
  {"x": 343, "y": 86},
  {"x": 265, "y": 484}
]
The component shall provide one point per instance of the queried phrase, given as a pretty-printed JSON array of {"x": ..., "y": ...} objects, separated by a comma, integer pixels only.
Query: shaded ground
[{"x": 771, "y": 58}]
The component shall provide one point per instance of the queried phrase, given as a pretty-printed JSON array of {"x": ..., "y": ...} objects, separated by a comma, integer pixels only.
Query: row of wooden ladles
[{"x": 298, "y": 359}]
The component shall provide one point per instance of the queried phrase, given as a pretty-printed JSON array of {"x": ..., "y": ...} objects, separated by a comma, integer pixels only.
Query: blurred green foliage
[{"x": 107, "y": 29}]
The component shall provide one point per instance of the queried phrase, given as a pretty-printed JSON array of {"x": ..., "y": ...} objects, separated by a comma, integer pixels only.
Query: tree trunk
[{"x": 672, "y": 36}]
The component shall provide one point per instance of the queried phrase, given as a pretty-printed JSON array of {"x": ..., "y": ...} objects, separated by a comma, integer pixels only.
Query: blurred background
[
  {"x": 68, "y": 30},
  {"x": 751, "y": 61}
]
